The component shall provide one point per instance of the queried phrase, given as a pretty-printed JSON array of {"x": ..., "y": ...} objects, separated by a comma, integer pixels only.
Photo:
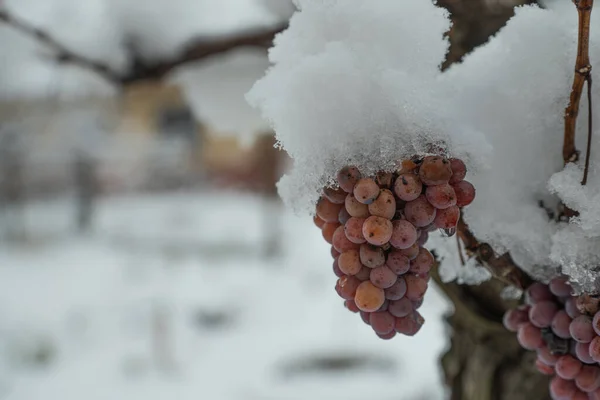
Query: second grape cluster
[{"x": 378, "y": 226}]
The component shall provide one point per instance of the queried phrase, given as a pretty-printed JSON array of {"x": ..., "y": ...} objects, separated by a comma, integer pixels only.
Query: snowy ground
[{"x": 170, "y": 298}]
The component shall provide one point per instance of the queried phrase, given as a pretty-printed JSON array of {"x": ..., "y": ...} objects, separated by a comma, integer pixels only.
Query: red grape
[
  {"x": 567, "y": 367},
  {"x": 369, "y": 297},
  {"x": 571, "y": 308},
  {"x": 328, "y": 211},
  {"x": 404, "y": 234},
  {"x": 581, "y": 329},
  {"x": 343, "y": 216},
  {"x": 366, "y": 317},
  {"x": 382, "y": 322},
  {"x": 335, "y": 195},
  {"x": 441, "y": 196},
  {"x": 596, "y": 323},
  {"x": 366, "y": 190},
  {"x": 371, "y": 256},
  {"x": 447, "y": 218},
  {"x": 397, "y": 262},
  {"x": 410, "y": 324},
  {"x": 412, "y": 251},
  {"x": 582, "y": 351},
  {"x": 422, "y": 239},
  {"x": 542, "y": 313},
  {"x": 334, "y": 252},
  {"x": 377, "y": 230},
  {"x": 347, "y": 178},
  {"x": 353, "y": 230},
  {"x": 560, "y": 287},
  {"x": 336, "y": 269},
  {"x": 546, "y": 356},
  {"x": 387, "y": 336},
  {"x": 384, "y": 205},
  {"x": 356, "y": 208},
  {"x": 348, "y": 286},
  {"x": 465, "y": 193},
  {"x": 537, "y": 292},
  {"x": 400, "y": 308},
  {"x": 408, "y": 187},
  {"x": 579, "y": 395},
  {"x": 594, "y": 349},
  {"x": 397, "y": 290},
  {"x": 561, "y": 388},
  {"x": 349, "y": 262},
  {"x": 588, "y": 378},
  {"x": 351, "y": 305},
  {"x": 384, "y": 306},
  {"x": 514, "y": 318},
  {"x": 318, "y": 222},
  {"x": 422, "y": 263},
  {"x": 459, "y": 170},
  {"x": 543, "y": 368},
  {"x": 435, "y": 170},
  {"x": 383, "y": 277},
  {"x": 560, "y": 324},
  {"x": 415, "y": 287},
  {"x": 341, "y": 242},
  {"x": 328, "y": 230},
  {"x": 595, "y": 395},
  {"x": 529, "y": 336},
  {"x": 364, "y": 274},
  {"x": 420, "y": 212}
]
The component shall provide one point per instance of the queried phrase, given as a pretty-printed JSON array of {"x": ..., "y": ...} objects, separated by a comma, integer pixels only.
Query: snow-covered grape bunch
[
  {"x": 378, "y": 226},
  {"x": 565, "y": 332}
]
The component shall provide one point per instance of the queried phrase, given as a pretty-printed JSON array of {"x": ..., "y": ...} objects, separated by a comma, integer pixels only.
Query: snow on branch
[{"x": 197, "y": 49}]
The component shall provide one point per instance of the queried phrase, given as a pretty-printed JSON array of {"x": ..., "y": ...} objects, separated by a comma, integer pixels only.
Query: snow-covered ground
[{"x": 171, "y": 298}]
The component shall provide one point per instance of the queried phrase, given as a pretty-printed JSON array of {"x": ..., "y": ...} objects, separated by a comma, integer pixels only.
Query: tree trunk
[{"x": 485, "y": 362}]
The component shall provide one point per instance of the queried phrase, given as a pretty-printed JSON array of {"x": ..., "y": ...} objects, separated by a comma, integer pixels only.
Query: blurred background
[{"x": 144, "y": 252}]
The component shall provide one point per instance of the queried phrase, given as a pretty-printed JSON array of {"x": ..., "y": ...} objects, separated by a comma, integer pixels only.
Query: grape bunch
[
  {"x": 377, "y": 227},
  {"x": 564, "y": 330}
]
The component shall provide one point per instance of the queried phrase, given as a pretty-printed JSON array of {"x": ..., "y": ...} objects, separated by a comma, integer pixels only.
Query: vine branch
[
  {"x": 582, "y": 75},
  {"x": 198, "y": 49}
]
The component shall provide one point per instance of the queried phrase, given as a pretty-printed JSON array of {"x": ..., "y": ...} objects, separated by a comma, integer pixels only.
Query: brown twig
[
  {"x": 583, "y": 70},
  {"x": 588, "y": 151},
  {"x": 198, "y": 49},
  {"x": 501, "y": 267}
]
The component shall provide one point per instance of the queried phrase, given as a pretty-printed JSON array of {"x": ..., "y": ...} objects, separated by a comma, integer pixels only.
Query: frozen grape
[
  {"x": 441, "y": 196},
  {"x": 415, "y": 287},
  {"x": 343, "y": 216},
  {"x": 328, "y": 230},
  {"x": 328, "y": 211},
  {"x": 347, "y": 178},
  {"x": 364, "y": 274},
  {"x": 366, "y": 190},
  {"x": 348, "y": 286},
  {"x": 371, "y": 256},
  {"x": 412, "y": 252},
  {"x": 567, "y": 366},
  {"x": 349, "y": 262},
  {"x": 351, "y": 306},
  {"x": 422, "y": 239},
  {"x": 382, "y": 322},
  {"x": 353, "y": 230},
  {"x": 465, "y": 193},
  {"x": 561, "y": 388},
  {"x": 594, "y": 349},
  {"x": 546, "y": 356},
  {"x": 542, "y": 313},
  {"x": 582, "y": 351},
  {"x": 369, "y": 297},
  {"x": 537, "y": 292},
  {"x": 397, "y": 262},
  {"x": 341, "y": 242},
  {"x": 571, "y": 308},
  {"x": 336, "y": 269},
  {"x": 384, "y": 205},
  {"x": 356, "y": 208},
  {"x": 404, "y": 234},
  {"x": 560, "y": 324},
  {"x": 377, "y": 230},
  {"x": 447, "y": 218},
  {"x": 384, "y": 179},
  {"x": 400, "y": 308},
  {"x": 422, "y": 263},
  {"x": 397, "y": 290},
  {"x": 410, "y": 324},
  {"x": 543, "y": 368},
  {"x": 514, "y": 318},
  {"x": 588, "y": 378},
  {"x": 581, "y": 329},
  {"x": 318, "y": 222},
  {"x": 335, "y": 195},
  {"x": 383, "y": 277},
  {"x": 408, "y": 187},
  {"x": 420, "y": 212},
  {"x": 529, "y": 336},
  {"x": 459, "y": 170},
  {"x": 560, "y": 287},
  {"x": 435, "y": 170}
]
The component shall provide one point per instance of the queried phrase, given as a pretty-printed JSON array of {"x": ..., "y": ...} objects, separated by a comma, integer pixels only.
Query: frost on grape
[{"x": 357, "y": 82}]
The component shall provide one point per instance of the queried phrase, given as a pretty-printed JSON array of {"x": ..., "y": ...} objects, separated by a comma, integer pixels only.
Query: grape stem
[
  {"x": 501, "y": 267},
  {"x": 583, "y": 70}
]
